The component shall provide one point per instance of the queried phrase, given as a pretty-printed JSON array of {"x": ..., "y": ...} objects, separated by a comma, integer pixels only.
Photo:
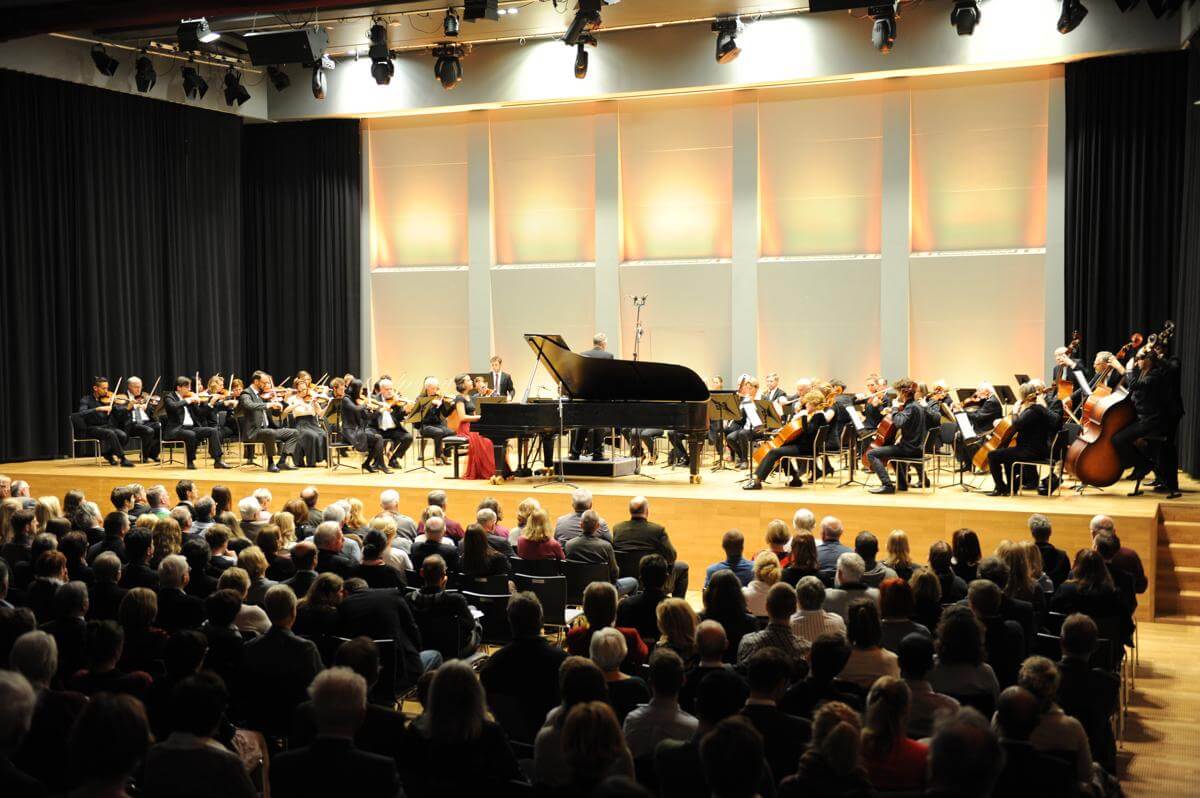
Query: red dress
[{"x": 481, "y": 457}]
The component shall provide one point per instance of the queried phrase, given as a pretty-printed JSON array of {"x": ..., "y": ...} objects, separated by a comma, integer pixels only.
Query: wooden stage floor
[{"x": 695, "y": 515}]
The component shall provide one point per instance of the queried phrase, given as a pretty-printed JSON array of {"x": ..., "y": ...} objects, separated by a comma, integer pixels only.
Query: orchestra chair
[
  {"x": 80, "y": 436},
  {"x": 922, "y": 463},
  {"x": 1054, "y": 466},
  {"x": 335, "y": 447},
  {"x": 141, "y": 447},
  {"x": 170, "y": 447},
  {"x": 494, "y": 616},
  {"x": 552, "y": 593},
  {"x": 809, "y": 462},
  {"x": 547, "y": 567},
  {"x": 944, "y": 459}
]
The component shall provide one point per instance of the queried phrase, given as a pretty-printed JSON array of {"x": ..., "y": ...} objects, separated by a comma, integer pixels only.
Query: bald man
[{"x": 642, "y": 536}]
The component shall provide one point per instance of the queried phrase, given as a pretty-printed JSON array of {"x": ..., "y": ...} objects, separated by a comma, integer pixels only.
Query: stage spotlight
[
  {"x": 481, "y": 9},
  {"x": 194, "y": 84},
  {"x": 235, "y": 92},
  {"x": 105, "y": 64},
  {"x": 382, "y": 67},
  {"x": 965, "y": 16},
  {"x": 883, "y": 31},
  {"x": 727, "y": 29},
  {"x": 318, "y": 75},
  {"x": 195, "y": 32},
  {"x": 144, "y": 76},
  {"x": 279, "y": 78},
  {"x": 1073, "y": 12},
  {"x": 581, "y": 55},
  {"x": 448, "y": 66},
  {"x": 450, "y": 23},
  {"x": 587, "y": 18}
]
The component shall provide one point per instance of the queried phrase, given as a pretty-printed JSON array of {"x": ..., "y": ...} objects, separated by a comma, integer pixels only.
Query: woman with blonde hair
[
  {"x": 766, "y": 573},
  {"x": 899, "y": 557},
  {"x": 47, "y": 507},
  {"x": 1021, "y": 584},
  {"x": 893, "y": 761},
  {"x": 356, "y": 517},
  {"x": 778, "y": 537},
  {"x": 1037, "y": 566},
  {"x": 254, "y": 563},
  {"x": 285, "y": 521},
  {"x": 677, "y": 623},
  {"x": 146, "y": 521},
  {"x": 395, "y": 558},
  {"x": 524, "y": 510},
  {"x": 537, "y": 539}
]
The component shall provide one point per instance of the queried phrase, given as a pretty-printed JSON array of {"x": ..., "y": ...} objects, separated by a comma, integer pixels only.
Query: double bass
[
  {"x": 1064, "y": 385},
  {"x": 1092, "y": 458}
]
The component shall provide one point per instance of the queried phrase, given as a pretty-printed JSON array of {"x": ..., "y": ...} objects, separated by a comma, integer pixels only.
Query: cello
[
  {"x": 1063, "y": 383},
  {"x": 789, "y": 432},
  {"x": 1092, "y": 458}
]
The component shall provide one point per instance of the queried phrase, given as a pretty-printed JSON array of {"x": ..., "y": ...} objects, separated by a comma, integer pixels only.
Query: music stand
[
  {"x": 1006, "y": 395},
  {"x": 855, "y": 430},
  {"x": 722, "y": 408},
  {"x": 964, "y": 394},
  {"x": 966, "y": 432},
  {"x": 1022, "y": 378},
  {"x": 420, "y": 405},
  {"x": 768, "y": 414}
]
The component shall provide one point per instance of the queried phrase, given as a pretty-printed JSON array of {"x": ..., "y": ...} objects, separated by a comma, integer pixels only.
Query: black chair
[
  {"x": 492, "y": 585},
  {"x": 1048, "y": 646},
  {"x": 1052, "y": 622},
  {"x": 384, "y": 691},
  {"x": 81, "y": 435},
  {"x": 551, "y": 592},
  {"x": 629, "y": 563},
  {"x": 548, "y": 567},
  {"x": 494, "y": 623},
  {"x": 443, "y": 635},
  {"x": 581, "y": 574},
  {"x": 984, "y": 702}
]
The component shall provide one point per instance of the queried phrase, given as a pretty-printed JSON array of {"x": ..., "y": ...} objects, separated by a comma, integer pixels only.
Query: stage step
[{"x": 1177, "y": 586}]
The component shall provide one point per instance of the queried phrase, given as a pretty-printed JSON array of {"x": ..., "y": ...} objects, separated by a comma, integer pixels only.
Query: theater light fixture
[
  {"x": 144, "y": 75},
  {"x": 1073, "y": 12},
  {"x": 481, "y": 9},
  {"x": 450, "y": 23},
  {"x": 318, "y": 76},
  {"x": 235, "y": 92},
  {"x": 581, "y": 55},
  {"x": 105, "y": 64},
  {"x": 587, "y": 18},
  {"x": 195, "y": 32},
  {"x": 194, "y": 84},
  {"x": 279, "y": 78},
  {"x": 965, "y": 16},
  {"x": 447, "y": 67},
  {"x": 883, "y": 30},
  {"x": 382, "y": 67},
  {"x": 727, "y": 29}
]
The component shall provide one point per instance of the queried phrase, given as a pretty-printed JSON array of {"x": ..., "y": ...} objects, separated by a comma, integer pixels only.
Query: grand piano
[{"x": 600, "y": 393}]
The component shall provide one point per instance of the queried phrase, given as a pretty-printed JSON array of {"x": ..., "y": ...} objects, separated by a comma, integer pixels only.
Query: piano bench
[{"x": 456, "y": 444}]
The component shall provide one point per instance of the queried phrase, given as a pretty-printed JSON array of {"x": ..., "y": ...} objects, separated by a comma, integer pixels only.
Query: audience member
[
  {"x": 1090, "y": 591},
  {"x": 677, "y": 623},
  {"x": 35, "y": 656},
  {"x": 711, "y": 644},
  {"x": 896, "y": 606},
  {"x": 766, "y": 573},
  {"x": 374, "y": 569},
  {"x": 1126, "y": 558},
  {"x": 866, "y": 545},
  {"x": 435, "y": 542},
  {"x": 1090, "y": 695},
  {"x": 941, "y": 560},
  {"x": 570, "y": 526},
  {"x": 625, "y": 692},
  {"x": 108, "y": 742},
  {"x": 810, "y": 621},
  {"x": 849, "y": 586},
  {"x": 278, "y": 667},
  {"x": 176, "y": 609},
  {"x": 438, "y": 610},
  {"x": 386, "y": 615},
  {"x": 580, "y": 682},
  {"x": 777, "y": 634},
  {"x": 964, "y": 545},
  {"x": 592, "y": 746},
  {"x": 832, "y": 765},
  {"x": 965, "y": 757},
  {"x": 317, "y": 612},
  {"x": 479, "y": 558},
  {"x": 893, "y": 761},
  {"x": 536, "y": 541},
  {"x": 1027, "y": 771},
  {"x": 731, "y": 756},
  {"x": 145, "y": 643},
  {"x": 802, "y": 559},
  {"x": 640, "y": 535},
  {"x": 899, "y": 557},
  {"x": 829, "y": 655},
  {"x": 599, "y": 611},
  {"x": 640, "y": 611},
  {"x": 830, "y": 549},
  {"x": 105, "y": 641},
  {"x": 768, "y": 672},
  {"x": 926, "y": 707},
  {"x": 1003, "y": 640},
  {"x": 961, "y": 671},
  {"x": 868, "y": 660},
  {"x": 734, "y": 544},
  {"x": 661, "y": 718},
  {"x": 590, "y": 547},
  {"x": 1055, "y": 561},
  {"x": 725, "y": 603}
]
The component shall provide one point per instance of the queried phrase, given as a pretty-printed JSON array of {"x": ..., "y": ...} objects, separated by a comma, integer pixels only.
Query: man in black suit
[
  {"x": 105, "y": 594},
  {"x": 278, "y": 667},
  {"x": 435, "y": 608},
  {"x": 135, "y": 417},
  {"x": 640, "y": 534},
  {"x": 304, "y": 557},
  {"x": 640, "y": 611},
  {"x": 332, "y": 764},
  {"x": 500, "y": 381},
  {"x": 524, "y": 673},
  {"x": 256, "y": 423},
  {"x": 1004, "y": 640},
  {"x": 329, "y": 541},
  {"x": 593, "y": 439},
  {"x": 1090, "y": 695},
  {"x": 181, "y": 426},
  {"x": 389, "y": 423},
  {"x": 139, "y": 545},
  {"x": 435, "y": 543},
  {"x": 983, "y": 416},
  {"x": 1027, "y": 771},
  {"x": 176, "y": 609},
  {"x": 385, "y": 615},
  {"x": 202, "y": 579},
  {"x": 784, "y": 736},
  {"x": 97, "y": 417}
]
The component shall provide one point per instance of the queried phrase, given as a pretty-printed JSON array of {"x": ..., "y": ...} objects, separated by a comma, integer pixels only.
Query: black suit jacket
[
  {"x": 596, "y": 351},
  {"x": 301, "y": 582},
  {"x": 445, "y": 547},
  {"x": 177, "y": 610},
  {"x": 91, "y": 416},
  {"x": 174, "y": 407},
  {"x": 340, "y": 564},
  {"x": 784, "y": 736},
  {"x": 103, "y": 600},
  {"x": 379, "y": 733},
  {"x": 1091, "y": 696},
  {"x": 1005, "y": 644},
  {"x": 639, "y": 611},
  {"x": 384, "y": 615},
  {"x": 1055, "y": 563},
  {"x": 70, "y": 635},
  {"x": 276, "y": 671},
  {"x": 1028, "y": 773},
  {"x": 525, "y": 670},
  {"x": 252, "y": 413},
  {"x": 505, "y": 386},
  {"x": 332, "y": 766}
]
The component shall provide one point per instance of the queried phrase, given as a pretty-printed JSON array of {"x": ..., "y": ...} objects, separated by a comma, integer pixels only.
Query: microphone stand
[
  {"x": 638, "y": 302},
  {"x": 560, "y": 476}
]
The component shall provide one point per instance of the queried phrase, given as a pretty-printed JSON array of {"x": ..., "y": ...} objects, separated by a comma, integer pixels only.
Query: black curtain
[
  {"x": 301, "y": 197},
  {"x": 121, "y": 239},
  {"x": 1187, "y": 312},
  {"x": 1124, "y": 190}
]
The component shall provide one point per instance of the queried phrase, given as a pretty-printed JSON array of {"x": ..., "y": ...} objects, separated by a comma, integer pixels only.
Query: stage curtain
[
  {"x": 1124, "y": 181},
  {"x": 1187, "y": 300},
  {"x": 301, "y": 200},
  {"x": 121, "y": 239}
]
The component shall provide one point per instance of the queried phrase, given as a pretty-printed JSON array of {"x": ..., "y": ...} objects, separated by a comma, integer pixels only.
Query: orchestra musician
[
  {"x": 593, "y": 439},
  {"x": 479, "y": 387},
  {"x": 433, "y": 422},
  {"x": 96, "y": 410},
  {"x": 741, "y": 432},
  {"x": 678, "y": 454},
  {"x": 1033, "y": 427},
  {"x": 983, "y": 409},
  {"x": 389, "y": 421},
  {"x": 181, "y": 424},
  {"x": 909, "y": 420},
  {"x": 254, "y": 404},
  {"x": 135, "y": 417},
  {"x": 1153, "y": 382},
  {"x": 303, "y": 407},
  {"x": 500, "y": 382},
  {"x": 814, "y": 418},
  {"x": 356, "y": 428},
  {"x": 773, "y": 393},
  {"x": 217, "y": 411}
]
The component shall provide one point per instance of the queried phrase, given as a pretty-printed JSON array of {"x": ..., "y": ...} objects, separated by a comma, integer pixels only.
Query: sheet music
[
  {"x": 1081, "y": 380},
  {"x": 751, "y": 413},
  {"x": 855, "y": 417},
  {"x": 964, "y": 425}
]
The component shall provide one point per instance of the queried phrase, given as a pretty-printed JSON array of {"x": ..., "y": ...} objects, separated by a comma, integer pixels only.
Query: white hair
[
  {"x": 485, "y": 515},
  {"x": 335, "y": 512},
  {"x": 581, "y": 499},
  {"x": 339, "y": 698},
  {"x": 172, "y": 571},
  {"x": 249, "y": 508},
  {"x": 850, "y": 568},
  {"x": 639, "y": 505},
  {"x": 831, "y": 527},
  {"x": 803, "y": 520},
  {"x": 35, "y": 656},
  {"x": 17, "y": 699},
  {"x": 133, "y": 381},
  {"x": 608, "y": 649},
  {"x": 91, "y": 511},
  {"x": 262, "y": 495},
  {"x": 435, "y": 523},
  {"x": 1101, "y": 523},
  {"x": 326, "y": 534},
  {"x": 389, "y": 498}
]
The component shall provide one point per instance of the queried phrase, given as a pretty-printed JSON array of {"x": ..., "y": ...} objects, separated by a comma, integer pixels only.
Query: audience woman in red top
[
  {"x": 600, "y": 611},
  {"x": 537, "y": 539},
  {"x": 893, "y": 761}
]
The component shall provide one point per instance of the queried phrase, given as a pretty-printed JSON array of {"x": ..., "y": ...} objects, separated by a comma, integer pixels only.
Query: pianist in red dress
[{"x": 481, "y": 458}]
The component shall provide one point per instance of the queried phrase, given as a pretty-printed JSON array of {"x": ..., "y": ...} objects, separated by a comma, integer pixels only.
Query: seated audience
[
  {"x": 677, "y": 623},
  {"x": 1055, "y": 731},
  {"x": 777, "y": 634},
  {"x": 590, "y": 547},
  {"x": 768, "y": 672},
  {"x": 899, "y": 557},
  {"x": 766, "y": 574},
  {"x": 734, "y": 544},
  {"x": 731, "y": 756},
  {"x": 1003, "y": 639},
  {"x": 1125, "y": 558},
  {"x": 435, "y": 542},
  {"x": 1027, "y": 771},
  {"x": 145, "y": 643},
  {"x": 893, "y": 761},
  {"x": 640, "y": 535},
  {"x": 17, "y": 700},
  {"x": 304, "y": 558},
  {"x": 832, "y": 765},
  {"x": 439, "y": 612},
  {"x": 252, "y": 560},
  {"x": 202, "y": 577},
  {"x": 725, "y": 603},
  {"x": 329, "y": 541},
  {"x": 1090, "y": 695},
  {"x": 829, "y": 655},
  {"x": 896, "y": 606},
  {"x": 661, "y": 718},
  {"x": 592, "y": 745},
  {"x": 580, "y": 682},
  {"x": 830, "y": 549},
  {"x": 964, "y": 546},
  {"x": 599, "y": 611},
  {"x": 868, "y": 660},
  {"x": 941, "y": 562},
  {"x": 965, "y": 757},
  {"x": 176, "y": 609},
  {"x": 961, "y": 671},
  {"x": 105, "y": 641},
  {"x": 69, "y": 629},
  {"x": 1090, "y": 590},
  {"x": 277, "y": 667},
  {"x": 139, "y": 545},
  {"x": 848, "y": 586},
  {"x": 570, "y": 526},
  {"x": 34, "y": 655},
  {"x": 108, "y": 742},
  {"x": 802, "y": 559},
  {"x": 810, "y": 620},
  {"x": 926, "y": 707},
  {"x": 866, "y": 545},
  {"x": 1055, "y": 561},
  {"x": 640, "y": 611},
  {"x": 386, "y": 615},
  {"x": 478, "y": 557},
  {"x": 710, "y": 652},
  {"x": 927, "y": 598},
  {"x": 625, "y": 692},
  {"x": 317, "y": 612},
  {"x": 105, "y": 594},
  {"x": 537, "y": 541},
  {"x": 250, "y": 618},
  {"x": 225, "y": 642}
]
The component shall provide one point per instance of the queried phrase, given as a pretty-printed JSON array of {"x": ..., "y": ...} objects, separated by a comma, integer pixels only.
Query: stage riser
[{"x": 696, "y": 516}]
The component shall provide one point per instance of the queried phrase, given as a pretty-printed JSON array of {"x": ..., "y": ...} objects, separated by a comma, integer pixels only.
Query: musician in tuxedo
[
  {"x": 181, "y": 425},
  {"x": 740, "y": 433},
  {"x": 433, "y": 420},
  {"x": 814, "y": 419},
  {"x": 593, "y": 439},
  {"x": 874, "y": 401},
  {"x": 135, "y": 419},
  {"x": 500, "y": 381},
  {"x": 1065, "y": 366},
  {"x": 772, "y": 392},
  {"x": 1152, "y": 383},
  {"x": 908, "y": 418},
  {"x": 389, "y": 422},
  {"x": 256, "y": 427},
  {"x": 1033, "y": 427},
  {"x": 96, "y": 410},
  {"x": 983, "y": 410}
]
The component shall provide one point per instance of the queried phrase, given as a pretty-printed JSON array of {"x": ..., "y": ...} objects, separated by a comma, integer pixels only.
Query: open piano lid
[{"x": 604, "y": 380}]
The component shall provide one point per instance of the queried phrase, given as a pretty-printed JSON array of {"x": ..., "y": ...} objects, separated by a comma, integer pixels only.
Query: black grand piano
[{"x": 601, "y": 393}]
